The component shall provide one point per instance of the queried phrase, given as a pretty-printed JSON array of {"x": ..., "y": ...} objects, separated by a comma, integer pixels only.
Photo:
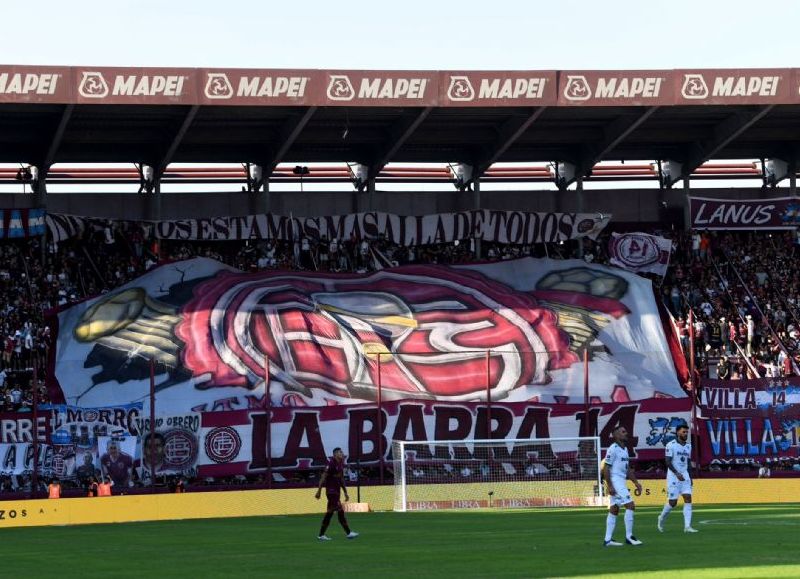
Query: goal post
[{"x": 500, "y": 473}]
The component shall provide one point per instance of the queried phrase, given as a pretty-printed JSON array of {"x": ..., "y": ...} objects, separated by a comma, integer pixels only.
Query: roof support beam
[
  {"x": 291, "y": 130},
  {"x": 614, "y": 133},
  {"x": 399, "y": 134},
  {"x": 509, "y": 132},
  {"x": 55, "y": 142},
  {"x": 166, "y": 159},
  {"x": 724, "y": 133}
]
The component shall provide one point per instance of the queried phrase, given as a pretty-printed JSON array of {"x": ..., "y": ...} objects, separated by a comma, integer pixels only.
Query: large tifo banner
[
  {"x": 243, "y": 442},
  {"x": 490, "y": 225},
  {"x": 746, "y": 214},
  {"x": 750, "y": 421},
  {"x": 425, "y": 332}
]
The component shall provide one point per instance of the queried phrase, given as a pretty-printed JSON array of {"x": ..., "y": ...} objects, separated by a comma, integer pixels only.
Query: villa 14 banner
[{"x": 749, "y": 421}]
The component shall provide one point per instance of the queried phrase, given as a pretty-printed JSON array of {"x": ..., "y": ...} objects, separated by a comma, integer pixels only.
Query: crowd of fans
[{"x": 740, "y": 291}]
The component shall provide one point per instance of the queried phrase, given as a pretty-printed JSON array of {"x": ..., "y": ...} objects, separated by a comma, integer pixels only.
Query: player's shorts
[
  {"x": 623, "y": 496},
  {"x": 676, "y": 488},
  {"x": 335, "y": 502}
]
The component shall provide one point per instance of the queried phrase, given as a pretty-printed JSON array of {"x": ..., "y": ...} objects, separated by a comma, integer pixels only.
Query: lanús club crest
[{"x": 427, "y": 324}]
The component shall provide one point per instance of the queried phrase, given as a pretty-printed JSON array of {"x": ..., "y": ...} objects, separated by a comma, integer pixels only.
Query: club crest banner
[{"x": 215, "y": 334}]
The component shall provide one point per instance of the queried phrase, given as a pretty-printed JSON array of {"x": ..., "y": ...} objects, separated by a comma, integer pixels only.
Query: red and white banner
[
  {"x": 332, "y": 339},
  {"x": 746, "y": 214},
  {"x": 640, "y": 252},
  {"x": 247, "y": 442}
]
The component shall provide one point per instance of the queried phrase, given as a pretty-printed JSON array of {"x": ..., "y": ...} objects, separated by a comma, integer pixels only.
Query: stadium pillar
[
  {"x": 35, "y": 440},
  {"x": 687, "y": 218},
  {"x": 579, "y": 209},
  {"x": 476, "y": 205},
  {"x": 380, "y": 420},
  {"x": 793, "y": 176},
  {"x": 371, "y": 194},
  {"x": 152, "y": 428}
]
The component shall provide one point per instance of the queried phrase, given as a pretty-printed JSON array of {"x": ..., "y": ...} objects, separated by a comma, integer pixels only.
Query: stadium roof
[{"x": 159, "y": 116}]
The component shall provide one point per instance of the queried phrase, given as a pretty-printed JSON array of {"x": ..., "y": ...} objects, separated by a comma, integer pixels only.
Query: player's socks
[
  {"x": 326, "y": 520},
  {"x": 343, "y": 522},
  {"x": 628, "y": 523},
  {"x": 687, "y": 515},
  {"x": 663, "y": 516},
  {"x": 611, "y": 522}
]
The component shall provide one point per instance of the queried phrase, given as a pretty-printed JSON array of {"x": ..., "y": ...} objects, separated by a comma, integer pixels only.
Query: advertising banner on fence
[
  {"x": 640, "y": 252},
  {"x": 487, "y": 224},
  {"x": 746, "y": 214},
  {"x": 173, "y": 447},
  {"x": 426, "y": 332},
  {"x": 749, "y": 421},
  {"x": 237, "y": 442}
]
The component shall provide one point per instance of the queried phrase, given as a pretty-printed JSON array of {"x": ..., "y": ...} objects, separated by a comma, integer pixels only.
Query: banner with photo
[
  {"x": 640, "y": 252},
  {"x": 76, "y": 432},
  {"x": 236, "y": 442},
  {"x": 173, "y": 447},
  {"x": 517, "y": 227},
  {"x": 116, "y": 456},
  {"x": 749, "y": 421}
]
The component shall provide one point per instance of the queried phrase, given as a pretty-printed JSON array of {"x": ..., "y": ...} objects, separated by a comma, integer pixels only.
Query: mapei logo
[
  {"x": 340, "y": 88},
  {"x": 694, "y": 87},
  {"x": 93, "y": 86},
  {"x": 218, "y": 86},
  {"x": 460, "y": 89},
  {"x": 577, "y": 88}
]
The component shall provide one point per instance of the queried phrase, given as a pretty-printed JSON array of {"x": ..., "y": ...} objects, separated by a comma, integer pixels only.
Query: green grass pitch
[{"x": 734, "y": 541}]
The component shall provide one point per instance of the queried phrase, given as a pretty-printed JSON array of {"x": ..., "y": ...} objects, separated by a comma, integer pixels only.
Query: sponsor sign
[
  {"x": 749, "y": 421},
  {"x": 305, "y": 437},
  {"x": 35, "y": 84},
  {"x": 735, "y": 86},
  {"x": 640, "y": 252},
  {"x": 749, "y": 214},
  {"x": 615, "y": 88},
  {"x": 260, "y": 87},
  {"x": 514, "y": 227},
  {"x": 518, "y": 88},
  {"x": 379, "y": 88},
  {"x": 332, "y": 339},
  {"x": 135, "y": 85}
]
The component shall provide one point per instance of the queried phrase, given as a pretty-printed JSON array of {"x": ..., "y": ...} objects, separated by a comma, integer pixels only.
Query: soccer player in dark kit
[{"x": 333, "y": 480}]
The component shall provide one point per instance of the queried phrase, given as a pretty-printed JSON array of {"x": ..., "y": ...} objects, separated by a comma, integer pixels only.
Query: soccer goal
[{"x": 508, "y": 473}]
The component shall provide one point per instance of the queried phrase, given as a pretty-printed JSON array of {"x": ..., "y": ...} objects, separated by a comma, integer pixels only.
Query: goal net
[{"x": 464, "y": 474}]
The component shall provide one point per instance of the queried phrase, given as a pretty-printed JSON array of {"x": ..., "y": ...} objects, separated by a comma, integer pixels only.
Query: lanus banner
[
  {"x": 749, "y": 421},
  {"x": 776, "y": 213}
]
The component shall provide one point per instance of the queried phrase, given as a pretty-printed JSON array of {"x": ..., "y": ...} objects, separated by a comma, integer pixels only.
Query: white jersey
[
  {"x": 681, "y": 454},
  {"x": 617, "y": 462}
]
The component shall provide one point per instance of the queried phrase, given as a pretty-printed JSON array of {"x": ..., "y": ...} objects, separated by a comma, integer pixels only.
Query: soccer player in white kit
[
  {"x": 616, "y": 472},
  {"x": 678, "y": 454}
]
